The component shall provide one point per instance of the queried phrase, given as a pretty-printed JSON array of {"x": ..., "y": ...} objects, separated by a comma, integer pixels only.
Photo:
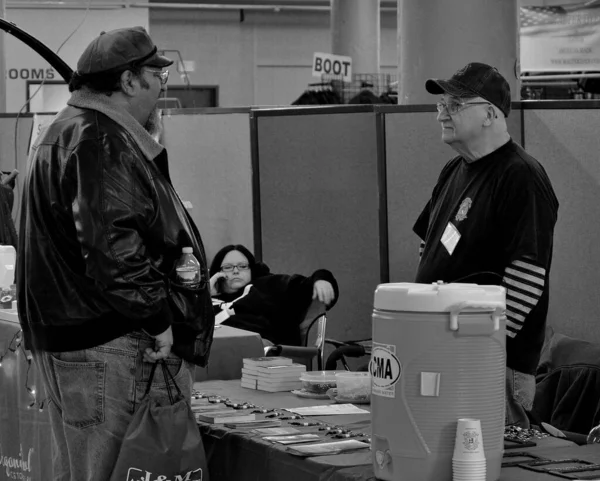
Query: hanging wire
[
  {"x": 16, "y": 135},
  {"x": 31, "y": 390},
  {"x": 10, "y": 348},
  {"x": 16, "y": 337}
]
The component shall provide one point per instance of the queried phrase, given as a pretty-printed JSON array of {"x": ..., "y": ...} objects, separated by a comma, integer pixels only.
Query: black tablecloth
[{"x": 237, "y": 455}]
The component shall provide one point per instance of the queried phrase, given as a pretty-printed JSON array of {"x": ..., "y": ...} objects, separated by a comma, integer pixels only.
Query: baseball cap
[
  {"x": 477, "y": 80},
  {"x": 118, "y": 49}
]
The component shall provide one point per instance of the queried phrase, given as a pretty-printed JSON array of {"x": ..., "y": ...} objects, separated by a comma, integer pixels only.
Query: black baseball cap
[
  {"x": 476, "y": 80},
  {"x": 119, "y": 49}
]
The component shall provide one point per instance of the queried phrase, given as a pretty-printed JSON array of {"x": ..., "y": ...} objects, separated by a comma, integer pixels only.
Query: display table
[
  {"x": 230, "y": 346},
  {"x": 237, "y": 455}
]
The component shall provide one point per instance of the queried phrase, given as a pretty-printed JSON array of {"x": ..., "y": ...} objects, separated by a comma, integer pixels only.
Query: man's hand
[
  {"x": 594, "y": 436},
  {"x": 10, "y": 179},
  {"x": 323, "y": 290},
  {"x": 162, "y": 346}
]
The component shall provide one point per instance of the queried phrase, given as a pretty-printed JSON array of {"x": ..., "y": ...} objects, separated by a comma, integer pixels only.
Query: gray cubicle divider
[
  {"x": 414, "y": 158},
  {"x": 563, "y": 136},
  {"x": 318, "y": 198},
  {"x": 211, "y": 169}
]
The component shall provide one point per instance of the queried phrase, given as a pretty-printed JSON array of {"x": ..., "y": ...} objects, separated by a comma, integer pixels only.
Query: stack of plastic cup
[{"x": 468, "y": 461}]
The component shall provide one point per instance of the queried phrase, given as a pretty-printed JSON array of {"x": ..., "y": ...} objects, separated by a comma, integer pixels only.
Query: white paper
[
  {"x": 450, "y": 238},
  {"x": 328, "y": 410},
  {"x": 331, "y": 448},
  {"x": 276, "y": 431}
]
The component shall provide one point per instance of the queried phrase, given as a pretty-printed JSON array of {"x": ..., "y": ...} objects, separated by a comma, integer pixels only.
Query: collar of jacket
[{"x": 87, "y": 99}]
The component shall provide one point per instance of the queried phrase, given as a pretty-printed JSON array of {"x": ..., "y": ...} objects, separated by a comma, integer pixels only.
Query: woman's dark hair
[
  {"x": 257, "y": 269},
  {"x": 102, "y": 82}
]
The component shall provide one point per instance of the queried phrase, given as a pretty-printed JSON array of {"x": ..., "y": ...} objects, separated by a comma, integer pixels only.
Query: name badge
[{"x": 450, "y": 238}]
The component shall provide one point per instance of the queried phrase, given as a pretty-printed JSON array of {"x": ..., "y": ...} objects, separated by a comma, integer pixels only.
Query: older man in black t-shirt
[{"x": 491, "y": 217}]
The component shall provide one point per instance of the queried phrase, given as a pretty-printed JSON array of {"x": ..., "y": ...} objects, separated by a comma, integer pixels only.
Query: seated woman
[{"x": 247, "y": 296}]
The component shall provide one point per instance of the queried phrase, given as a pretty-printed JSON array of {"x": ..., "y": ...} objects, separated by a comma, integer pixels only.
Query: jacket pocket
[
  {"x": 81, "y": 391},
  {"x": 193, "y": 305},
  {"x": 194, "y": 321}
]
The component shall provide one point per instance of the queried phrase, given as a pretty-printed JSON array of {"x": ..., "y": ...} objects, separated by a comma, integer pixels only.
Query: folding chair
[
  {"x": 347, "y": 349},
  {"x": 305, "y": 353}
]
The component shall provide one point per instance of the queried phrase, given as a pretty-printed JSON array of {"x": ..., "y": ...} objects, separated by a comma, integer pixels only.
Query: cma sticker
[{"x": 385, "y": 369}]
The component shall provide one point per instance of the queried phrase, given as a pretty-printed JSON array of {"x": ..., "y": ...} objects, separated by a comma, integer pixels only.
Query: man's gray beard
[{"x": 154, "y": 124}]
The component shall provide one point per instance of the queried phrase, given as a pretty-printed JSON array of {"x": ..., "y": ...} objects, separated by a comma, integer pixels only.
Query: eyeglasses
[
  {"x": 243, "y": 266},
  {"x": 454, "y": 106},
  {"x": 163, "y": 75}
]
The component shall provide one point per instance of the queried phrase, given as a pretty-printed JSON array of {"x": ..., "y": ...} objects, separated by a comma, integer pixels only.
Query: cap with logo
[
  {"x": 475, "y": 80},
  {"x": 119, "y": 49}
]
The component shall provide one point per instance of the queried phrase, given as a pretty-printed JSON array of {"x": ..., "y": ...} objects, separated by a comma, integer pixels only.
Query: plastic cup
[
  {"x": 473, "y": 467},
  {"x": 468, "y": 462},
  {"x": 474, "y": 477},
  {"x": 469, "y": 469},
  {"x": 468, "y": 445}
]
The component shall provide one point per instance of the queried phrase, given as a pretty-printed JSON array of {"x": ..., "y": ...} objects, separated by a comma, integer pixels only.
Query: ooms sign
[
  {"x": 385, "y": 367},
  {"x": 30, "y": 73}
]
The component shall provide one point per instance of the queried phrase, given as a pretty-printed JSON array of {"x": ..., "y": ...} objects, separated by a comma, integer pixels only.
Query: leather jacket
[{"x": 101, "y": 230}]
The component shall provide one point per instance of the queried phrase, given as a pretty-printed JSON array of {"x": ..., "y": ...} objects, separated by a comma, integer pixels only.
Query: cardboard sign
[{"x": 335, "y": 65}]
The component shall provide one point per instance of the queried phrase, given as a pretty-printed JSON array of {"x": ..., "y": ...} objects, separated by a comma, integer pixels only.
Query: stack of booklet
[
  {"x": 218, "y": 413},
  {"x": 272, "y": 374}
]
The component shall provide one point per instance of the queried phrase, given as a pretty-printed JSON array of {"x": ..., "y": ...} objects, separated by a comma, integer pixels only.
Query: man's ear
[
  {"x": 129, "y": 83},
  {"x": 490, "y": 115}
]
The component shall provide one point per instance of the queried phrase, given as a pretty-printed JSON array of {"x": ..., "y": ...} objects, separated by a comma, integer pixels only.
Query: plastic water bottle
[{"x": 188, "y": 268}]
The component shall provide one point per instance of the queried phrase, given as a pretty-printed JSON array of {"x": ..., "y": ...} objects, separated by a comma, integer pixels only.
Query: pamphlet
[
  {"x": 295, "y": 439},
  {"x": 276, "y": 431},
  {"x": 324, "y": 449},
  {"x": 328, "y": 410}
]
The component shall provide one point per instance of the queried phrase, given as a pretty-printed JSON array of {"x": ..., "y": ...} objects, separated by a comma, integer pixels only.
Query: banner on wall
[{"x": 562, "y": 38}]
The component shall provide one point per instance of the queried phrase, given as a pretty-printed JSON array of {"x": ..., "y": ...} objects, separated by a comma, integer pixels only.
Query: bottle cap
[{"x": 187, "y": 250}]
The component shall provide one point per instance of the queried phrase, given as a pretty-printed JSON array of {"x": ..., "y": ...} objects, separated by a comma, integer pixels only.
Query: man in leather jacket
[{"x": 101, "y": 231}]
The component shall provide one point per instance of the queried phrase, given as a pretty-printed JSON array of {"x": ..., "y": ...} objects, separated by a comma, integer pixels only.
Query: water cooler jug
[
  {"x": 8, "y": 257},
  {"x": 438, "y": 355}
]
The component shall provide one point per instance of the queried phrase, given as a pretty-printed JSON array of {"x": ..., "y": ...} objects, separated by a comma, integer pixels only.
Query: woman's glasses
[{"x": 243, "y": 266}]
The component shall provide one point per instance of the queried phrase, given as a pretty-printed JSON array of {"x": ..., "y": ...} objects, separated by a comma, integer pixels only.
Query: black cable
[
  {"x": 9, "y": 348},
  {"x": 29, "y": 359},
  {"x": 32, "y": 392},
  {"x": 16, "y": 136},
  {"x": 477, "y": 274}
]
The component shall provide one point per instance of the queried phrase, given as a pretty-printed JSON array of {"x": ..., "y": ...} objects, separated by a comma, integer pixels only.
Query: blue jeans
[
  {"x": 93, "y": 395},
  {"x": 520, "y": 391}
]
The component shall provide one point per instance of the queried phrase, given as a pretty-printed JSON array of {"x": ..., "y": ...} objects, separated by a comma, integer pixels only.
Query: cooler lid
[{"x": 439, "y": 297}]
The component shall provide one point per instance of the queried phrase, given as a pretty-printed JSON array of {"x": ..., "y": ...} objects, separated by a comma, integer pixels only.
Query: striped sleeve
[
  {"x": 524, "y": 283},
  {"x": 421, "y": 249}
]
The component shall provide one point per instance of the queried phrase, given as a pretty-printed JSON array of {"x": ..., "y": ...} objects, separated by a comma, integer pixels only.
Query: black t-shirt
[{"x": 504, "y": 208}]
